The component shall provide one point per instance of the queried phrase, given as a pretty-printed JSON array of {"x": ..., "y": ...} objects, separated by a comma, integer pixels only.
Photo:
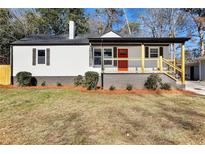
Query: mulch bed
[{"x": 103, "y": 91}]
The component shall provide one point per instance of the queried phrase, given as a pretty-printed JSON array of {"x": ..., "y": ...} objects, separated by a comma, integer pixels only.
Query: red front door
[{"x": 122, "y": 64}]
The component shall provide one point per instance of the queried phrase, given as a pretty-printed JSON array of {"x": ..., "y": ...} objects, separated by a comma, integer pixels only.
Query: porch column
[
  {"x": 142, "y": 57},
  {"x": 174, "y": 61},
  {"x": 182, "y": 63}
]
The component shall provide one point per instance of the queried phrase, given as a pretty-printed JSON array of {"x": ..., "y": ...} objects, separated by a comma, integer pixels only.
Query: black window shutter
[
  {"x": 161, "y": 51},
  {"x": 47, "y": 56},
  {"x": 146, "y": 52},
  {"x": 34, "y": 56},
  {"x": 115, "y": 55}
]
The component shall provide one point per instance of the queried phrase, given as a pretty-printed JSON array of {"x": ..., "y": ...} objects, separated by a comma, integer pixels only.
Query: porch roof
[{"x": 137, "y": 40}]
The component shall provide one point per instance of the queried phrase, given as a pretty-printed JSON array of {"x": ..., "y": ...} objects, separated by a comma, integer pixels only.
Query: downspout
[
  {"x": 102, "y": 57},
  {"x": 102, "y": 64}
]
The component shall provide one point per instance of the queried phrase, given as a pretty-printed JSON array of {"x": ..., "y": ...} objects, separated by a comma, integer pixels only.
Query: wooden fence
[{"x": 5, "y": 74}]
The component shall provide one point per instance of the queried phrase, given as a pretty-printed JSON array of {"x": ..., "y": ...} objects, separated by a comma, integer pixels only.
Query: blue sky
[{"x": 131, "y": 12}]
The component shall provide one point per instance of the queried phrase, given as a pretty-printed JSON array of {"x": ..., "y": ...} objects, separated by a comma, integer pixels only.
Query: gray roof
[
  {"x": 50, "y": 40},
  {"x": 85, "y": 39}
]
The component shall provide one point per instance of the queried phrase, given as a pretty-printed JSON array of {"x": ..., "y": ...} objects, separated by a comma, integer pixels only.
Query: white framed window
[
  {"x": 108, "y": 53},
  {"x": 153, "y": 52},
  {"x": 41, "y": 56},
  {"x": 97, "y": 56}
]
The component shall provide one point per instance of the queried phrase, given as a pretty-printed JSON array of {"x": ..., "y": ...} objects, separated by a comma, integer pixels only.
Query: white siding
[
  {"x": 110, "y": 34},
  {"x": 64, "y": 61},
  {"x": 135, "y": 52}
]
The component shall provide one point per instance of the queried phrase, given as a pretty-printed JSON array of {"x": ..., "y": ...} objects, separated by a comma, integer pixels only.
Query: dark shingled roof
[
  {"x": 50, "y": 40},
  {"x": 85, "y": 39},
  {"x": 139, "y": 40}
]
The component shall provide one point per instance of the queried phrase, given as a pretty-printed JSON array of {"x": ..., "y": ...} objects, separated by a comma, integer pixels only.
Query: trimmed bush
[
  {"x": 78, "y": 81},
  {"x": 129, "y": 87},
  {"x": 153, "y": 82},
  {"x": 43, "y": 83},
  {"x": 165, "y": 86},
  {"x": 112, "y": 88},
  {"x": 59, "y": 84},
  {"x": 91, "y": 80},
  {"x": 24, "y": 78}
]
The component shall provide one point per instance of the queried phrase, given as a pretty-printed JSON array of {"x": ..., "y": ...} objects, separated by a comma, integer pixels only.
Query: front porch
[
  {"x": 148, "y": 65},
  {"x": 138, "y": 57},
  {"x": 137, "y": 71}
]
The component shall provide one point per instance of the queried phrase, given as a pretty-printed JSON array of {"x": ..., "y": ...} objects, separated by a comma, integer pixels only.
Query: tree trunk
[{"x": 201, "y": 35}]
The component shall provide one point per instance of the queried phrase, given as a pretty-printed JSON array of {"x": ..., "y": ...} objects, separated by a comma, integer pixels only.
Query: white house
[{"x": 118, "y": 59}]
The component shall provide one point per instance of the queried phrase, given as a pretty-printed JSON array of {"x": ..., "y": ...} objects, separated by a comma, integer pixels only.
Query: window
[
  {"x": 97, "y": 56},
  {"x": 154, "y": 52},
  {"x": 41, "y": 57},
  {"x": 108, "y": 54}
]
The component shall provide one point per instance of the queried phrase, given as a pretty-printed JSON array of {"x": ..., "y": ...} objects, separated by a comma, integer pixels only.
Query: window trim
[
  {"x": 45, "y": 57},
  {"x": 102, "y": 54},
  {"x": 157, "y": 52},
  {"x": 95, "y": 56}
]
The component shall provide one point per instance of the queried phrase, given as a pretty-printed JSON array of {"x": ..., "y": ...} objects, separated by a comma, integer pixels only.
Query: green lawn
[{"x": 59, "y": 116}]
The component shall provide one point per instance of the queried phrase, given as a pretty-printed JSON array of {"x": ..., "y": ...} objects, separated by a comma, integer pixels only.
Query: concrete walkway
[{"x": 196, "y": 87}]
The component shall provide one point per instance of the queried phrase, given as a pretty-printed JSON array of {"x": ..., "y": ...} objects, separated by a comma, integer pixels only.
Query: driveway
[{"x": 196, "y": 86}]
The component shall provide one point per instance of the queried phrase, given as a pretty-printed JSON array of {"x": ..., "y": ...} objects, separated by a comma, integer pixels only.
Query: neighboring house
[
  {"x": 202, "y": 68},
  {"x": 118, "y": 59},
  {"x": 195, "y": 70},
  {"x": 192, "y": 70}
]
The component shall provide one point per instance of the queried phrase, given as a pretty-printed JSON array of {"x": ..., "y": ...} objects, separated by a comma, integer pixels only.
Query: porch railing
[{"x": 150, "y": 65}]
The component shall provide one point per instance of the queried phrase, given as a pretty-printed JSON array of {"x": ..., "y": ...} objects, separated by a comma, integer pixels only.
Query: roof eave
[{"x": 141, "y": 40}]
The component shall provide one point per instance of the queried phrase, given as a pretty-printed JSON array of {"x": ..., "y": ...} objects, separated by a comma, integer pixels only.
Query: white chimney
[{"x": 71, "y": 30}]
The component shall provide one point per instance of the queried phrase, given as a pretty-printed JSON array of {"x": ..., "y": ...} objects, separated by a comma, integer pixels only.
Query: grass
[{"x": 60, "y": 116}]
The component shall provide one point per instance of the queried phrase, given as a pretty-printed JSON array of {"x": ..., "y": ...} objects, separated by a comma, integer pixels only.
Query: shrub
[
  {"x": 91, "y": 80},
  {"x": 129, "y": 87},
  {"x": 153, "y": 82},
  {"x": 24, "y": 78},
  {"x": 78, "y": 81},
  {"x": 112, "y": 88},
  {"x": 165, "y": 86},
  {"x": 43, "y": 83},
  {"x": 59, "y": 84}
]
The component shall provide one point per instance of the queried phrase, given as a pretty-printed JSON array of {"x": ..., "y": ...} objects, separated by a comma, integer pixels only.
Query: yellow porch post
[
  {"x": 174, "y": 61},
  {"x": 160, "y": 64},
  {"x": 142, "y": 58},
  {"x": 183, "y": 64}
]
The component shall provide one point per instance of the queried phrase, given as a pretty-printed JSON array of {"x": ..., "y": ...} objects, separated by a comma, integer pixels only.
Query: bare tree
[
  {"x": 127, "y": 22},
  {"x": 198, "y": 17},
  {"x": 108, "y": 18},
  {"x": 154, "y": 22}
]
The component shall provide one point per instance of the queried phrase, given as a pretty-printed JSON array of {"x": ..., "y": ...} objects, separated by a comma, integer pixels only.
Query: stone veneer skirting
[
  {"x": 121, "y": 80},
  {"x": 52, "y": 80}
]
